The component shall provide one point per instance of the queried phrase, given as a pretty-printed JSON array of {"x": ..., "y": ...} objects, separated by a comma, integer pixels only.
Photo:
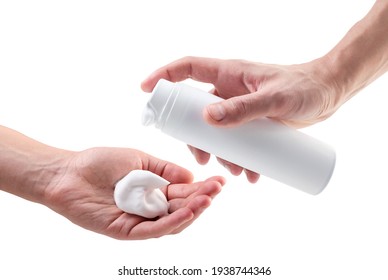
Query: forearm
[
  {"x": 27, "y": 166},
  {"x": 362, "y": 55}
]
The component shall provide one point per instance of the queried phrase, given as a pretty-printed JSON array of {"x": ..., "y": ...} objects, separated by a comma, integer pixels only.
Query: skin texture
[
  {"x": 297, "y": 95},
  {"x": 80, "y": 185}
]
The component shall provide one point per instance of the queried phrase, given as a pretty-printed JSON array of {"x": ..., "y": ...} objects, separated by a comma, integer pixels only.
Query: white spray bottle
[{"x": 263, "y": 145}]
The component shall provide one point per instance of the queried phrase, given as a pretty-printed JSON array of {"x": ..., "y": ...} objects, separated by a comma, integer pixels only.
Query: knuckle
[{"x": 239, "y": 108}]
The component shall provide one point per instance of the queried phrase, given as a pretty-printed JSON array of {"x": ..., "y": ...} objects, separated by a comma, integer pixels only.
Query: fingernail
[{"x": 216, "y": 112}]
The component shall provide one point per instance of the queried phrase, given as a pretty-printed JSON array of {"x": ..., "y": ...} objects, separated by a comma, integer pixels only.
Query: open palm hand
[{"x": 84, "y": 193}]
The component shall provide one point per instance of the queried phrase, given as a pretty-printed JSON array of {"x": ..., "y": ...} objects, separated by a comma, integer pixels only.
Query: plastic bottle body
[{"x": 263, "y": 146}]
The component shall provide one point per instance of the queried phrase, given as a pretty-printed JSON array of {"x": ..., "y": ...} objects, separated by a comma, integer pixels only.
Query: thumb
[{"x": 237, "y": 110}]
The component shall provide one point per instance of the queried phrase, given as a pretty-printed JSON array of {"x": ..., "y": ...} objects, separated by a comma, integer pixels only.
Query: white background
[{"x": 70, "y": 74}]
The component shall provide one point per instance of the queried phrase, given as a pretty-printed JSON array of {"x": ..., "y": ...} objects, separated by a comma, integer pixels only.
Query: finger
[
  {"x": 201, "y": 156},
  {"x": 197, "y": 68},
  {"x": 180, "y": 191},
  {"x": 194, "y": 204},
  {"x": 252, "y": 177},
  {"x": 221, "y": 180},
  {"x": 238, "y": 110},
  {"x": 200, "y": 202},
  {"x": 214, "y": 91},
  {"x": 180, "y": 194},
  {"x": 198, "y": 206},
  {"x": 231, "y": 167},
  {"x": 162, "y": 226},
  {"x": 173, "y": 173},
  {"x": 236, "y": 170}
]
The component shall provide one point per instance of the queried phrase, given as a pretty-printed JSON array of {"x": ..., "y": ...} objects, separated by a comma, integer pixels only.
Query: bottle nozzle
[{"x": 148, "y": 116}]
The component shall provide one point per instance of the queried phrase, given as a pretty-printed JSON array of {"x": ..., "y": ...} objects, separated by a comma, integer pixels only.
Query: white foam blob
[{"x": 139, "y": 193}]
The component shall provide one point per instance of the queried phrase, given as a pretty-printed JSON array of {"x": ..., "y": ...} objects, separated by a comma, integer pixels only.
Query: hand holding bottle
[
  {"x": 297, "y": 95},
  {"x": 294, "y": 95}
]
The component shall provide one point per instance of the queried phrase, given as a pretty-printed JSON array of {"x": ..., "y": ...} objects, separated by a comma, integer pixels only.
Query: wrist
[
  {"x": 361, "y": 56},
  {"x": 27, "y": 167},
  {"x": 328, "y": 73},
  {"x": 47, "y": 172}
]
